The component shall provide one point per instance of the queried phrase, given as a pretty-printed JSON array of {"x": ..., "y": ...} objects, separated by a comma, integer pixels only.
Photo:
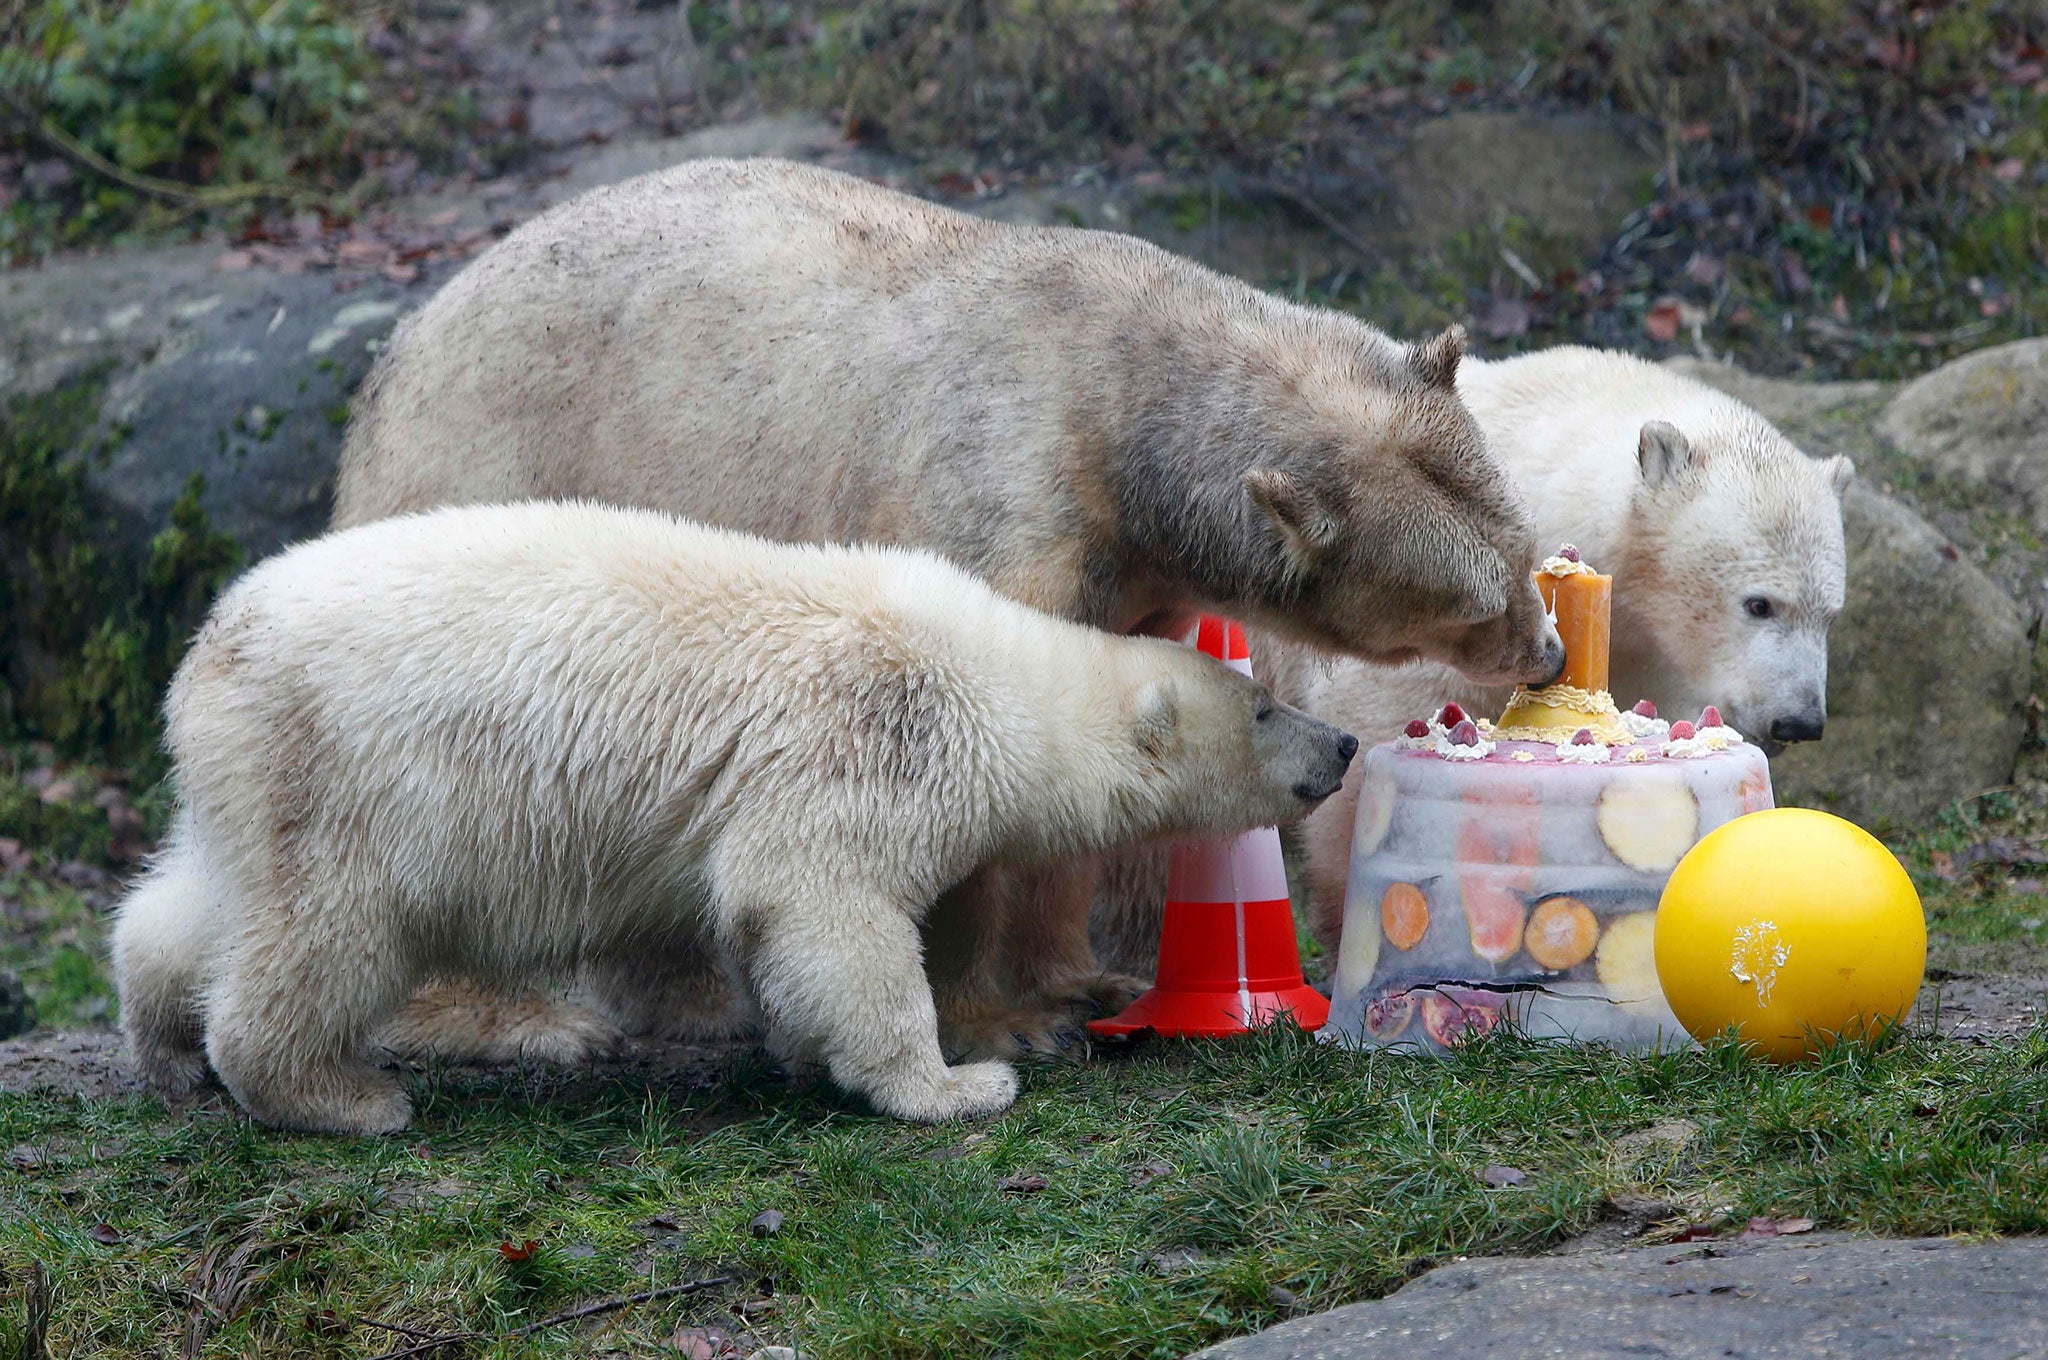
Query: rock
[
  {"x": 1798, "y": 1298},
  {"x": 1982, "y": 420},
  {"x": 1928, "y": 667},
  {"x": 1789, "y": 402},
  {"x": 17, "y": 1010},
  {"x": 1572, "y": 176}
]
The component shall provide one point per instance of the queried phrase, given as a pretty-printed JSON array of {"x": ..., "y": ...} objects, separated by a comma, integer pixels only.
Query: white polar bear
[
  {"x": 1724, "y": 541},
  {"x": 498, "y": 741},
  {"x": 1723, "y": 538}
]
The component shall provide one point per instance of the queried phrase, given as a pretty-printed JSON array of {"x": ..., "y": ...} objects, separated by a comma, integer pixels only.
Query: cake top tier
[{"x": 1580, "y": 601}]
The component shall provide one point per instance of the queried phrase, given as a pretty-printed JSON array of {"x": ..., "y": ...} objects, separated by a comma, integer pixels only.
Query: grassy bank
[{"x": 1136, "y": 1207}]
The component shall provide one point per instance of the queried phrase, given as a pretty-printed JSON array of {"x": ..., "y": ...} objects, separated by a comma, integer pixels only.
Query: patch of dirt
[
  {"x": 1982, "y": 1007},
  {"x": 94, "y": 1063}
]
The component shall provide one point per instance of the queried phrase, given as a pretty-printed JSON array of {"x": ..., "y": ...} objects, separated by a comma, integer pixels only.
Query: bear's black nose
[
  {"x": 1802, "y": 727},
  {"x": 1347, "y": 747}
]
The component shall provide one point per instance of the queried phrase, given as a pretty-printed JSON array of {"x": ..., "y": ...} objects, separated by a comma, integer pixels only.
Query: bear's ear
[
  {"x": 1158, "y": 714},
  {"x": 1840, "y": 473},
  {"x": 1304, "y": 521},
  {"x": 1435, "y": 360},
  {"x": 1663, "y": 453}
]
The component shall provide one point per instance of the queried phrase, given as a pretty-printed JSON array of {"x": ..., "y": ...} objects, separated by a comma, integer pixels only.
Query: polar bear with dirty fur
[
  {"x": 1095, "y": 427},
  {"x": 497, "y": 741},
  {"x": 1724, "y": 541}
]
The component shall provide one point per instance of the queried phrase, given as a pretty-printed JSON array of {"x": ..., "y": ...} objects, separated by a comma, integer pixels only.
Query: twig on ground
[
  {"x": 1326, "y": 219},
  {"x": 91, "y": 161},
  {"x": 433, "y": 1341}
]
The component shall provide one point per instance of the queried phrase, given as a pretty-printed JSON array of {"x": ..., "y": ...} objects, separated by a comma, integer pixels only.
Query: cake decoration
[
  {"x": 1463, "y": 742},
  {"x": 1417, "y": 735},
  {"x": 1581, "y": 601},
  {"x": 1643, "y": 723},
  {"x": 1711, "y": 728}
]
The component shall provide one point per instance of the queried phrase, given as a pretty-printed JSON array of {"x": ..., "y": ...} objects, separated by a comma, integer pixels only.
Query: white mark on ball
[{"x": 1758, "y": 956}]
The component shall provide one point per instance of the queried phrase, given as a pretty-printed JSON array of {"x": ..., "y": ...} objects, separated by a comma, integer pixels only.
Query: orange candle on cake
[{"x": 1582, "y": 603}]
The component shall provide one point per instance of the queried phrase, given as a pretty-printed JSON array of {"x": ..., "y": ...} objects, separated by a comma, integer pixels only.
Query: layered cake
[{"x": 1509, "y": 871}]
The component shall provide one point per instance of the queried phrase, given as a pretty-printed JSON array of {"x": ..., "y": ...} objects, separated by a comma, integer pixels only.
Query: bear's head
[
  {"x": 1400, "y": 534},
  {"x": 1214, "y": 752},
  {"x": 1736, "y": 550}
]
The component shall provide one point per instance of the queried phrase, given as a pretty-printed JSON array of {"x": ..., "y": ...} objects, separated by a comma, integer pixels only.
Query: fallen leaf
[
  {"x": 767, "y": 1223},
  {"x": 1175, "y": 1260},
  {"x": 1661, "y": 323},
  {"x": 1505, "y": 318},
  {"x": 580, "y": 1251},
  {"x": 1500, "y": 1177},
  {"x": 1792, "y": 1227},
  {"x": 1021, "y": 1184},
  {"x": 1705, "y": 270},
  {"x": 1695, "y": 1232},
  {"x": 525, "y": 1251},
  {"x": 1148, "y": 1171},
  {"x": 22, "y": 1157},
  {"x": 1282, "y": 1297},
  {"x": 106, "y": 1234},
  {"x": 1760, "y": 1227},
  {"x": 702, "y": 1343},
  {"x": 661, "y": 1223}
]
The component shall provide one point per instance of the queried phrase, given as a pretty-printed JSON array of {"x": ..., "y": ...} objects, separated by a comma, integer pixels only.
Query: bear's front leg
[{"x": 843, "y": 974}]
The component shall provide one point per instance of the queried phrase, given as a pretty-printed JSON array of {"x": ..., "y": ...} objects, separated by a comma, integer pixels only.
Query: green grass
[
  {"x": 1191, "y": 1191},
  {"x": 1183, "y": 1188}
]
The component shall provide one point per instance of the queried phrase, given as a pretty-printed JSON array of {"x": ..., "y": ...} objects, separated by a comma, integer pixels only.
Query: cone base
[{"x": 1213, "y": 1015}]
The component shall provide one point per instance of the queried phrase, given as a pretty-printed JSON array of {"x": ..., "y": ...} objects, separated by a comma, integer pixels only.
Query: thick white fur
[
  {"x": 503, "y": 741},
  {"x": 1739, "y": 512}
]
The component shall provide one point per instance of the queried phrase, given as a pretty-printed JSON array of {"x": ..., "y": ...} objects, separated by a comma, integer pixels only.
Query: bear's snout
[
  {"x": 1806, "y": 726},
  {"x": 1326, "y": 775}
]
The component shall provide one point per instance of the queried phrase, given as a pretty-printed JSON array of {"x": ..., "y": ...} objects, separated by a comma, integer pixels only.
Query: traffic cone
[{"x": 1227, "y": 954}]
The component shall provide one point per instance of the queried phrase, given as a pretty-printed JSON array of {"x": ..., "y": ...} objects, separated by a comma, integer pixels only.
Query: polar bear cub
[{"x": 501, "y": 740}]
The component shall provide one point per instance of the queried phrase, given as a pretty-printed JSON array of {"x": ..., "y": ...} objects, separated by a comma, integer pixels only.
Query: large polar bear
[
  {"x": 1093, "y": 426},
  {"x": 498, "y": 740},
  {"x": 1724, "y": 541}
]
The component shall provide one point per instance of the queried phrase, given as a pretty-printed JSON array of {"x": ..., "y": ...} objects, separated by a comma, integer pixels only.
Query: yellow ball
[{"x": 1789, "y": 924}]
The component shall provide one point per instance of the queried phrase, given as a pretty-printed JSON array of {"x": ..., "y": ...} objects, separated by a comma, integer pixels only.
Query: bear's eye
[{"x": 1757, "y": 607}]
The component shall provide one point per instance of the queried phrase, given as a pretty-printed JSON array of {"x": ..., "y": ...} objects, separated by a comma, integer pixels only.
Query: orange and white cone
[{"x": 1228, "y": 960}]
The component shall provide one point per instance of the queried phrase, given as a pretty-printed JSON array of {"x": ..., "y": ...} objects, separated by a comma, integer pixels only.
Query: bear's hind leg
[
  {"x": 295, "y": 1000},
  {"x": 846, "y": 977},
  {"x": 160, "y": 943}
]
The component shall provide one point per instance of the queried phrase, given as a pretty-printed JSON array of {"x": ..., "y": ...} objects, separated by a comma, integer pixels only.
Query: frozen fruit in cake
[
  {"x": 1682, "y": 731},
  {"x": 1627, "y": 959},
  {"x": 1416, "y": 728},
  {"x": 1584, "y": 737},
  {"x": 1649, "y": 823},
  {"x": 1562, "y": 933},
  {"x": 1644, "y": 709},
  {"x": 1710, "y": 716},
  {"x": 1389, "y": 1015},
  {"x": 1404, "y": 915},
  {"x": 1450, "y": 715},
  {"x": 1466, "y": 733},
  {"x": 1451, "y": 1021},
  {"x": 1569, "y": 553}
]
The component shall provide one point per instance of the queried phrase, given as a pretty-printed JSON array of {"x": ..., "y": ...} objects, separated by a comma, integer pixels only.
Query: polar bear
[
  {"x": 1093, "y": 426},
  {"x": 1724, "y": 541},
  {"x": 496, "y": 740}
]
